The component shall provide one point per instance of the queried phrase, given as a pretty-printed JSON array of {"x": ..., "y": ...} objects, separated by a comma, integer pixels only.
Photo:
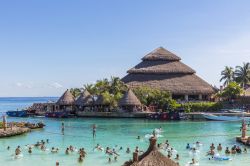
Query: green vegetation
[
  {"x": 232, "y": 91},
  {"x": 201, "y": 106},
  {"x": 155, "y": 97},
  {"x": 240, "y": 75}
]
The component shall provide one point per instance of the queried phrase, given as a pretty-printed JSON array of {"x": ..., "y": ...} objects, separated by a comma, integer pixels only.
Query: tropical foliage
[
  {"x": 232, "y": 91},
  {"x": 240, "y": 75},
  {"x": 111, "y": 90},
  {"x": 154, "y": 97},
  {"x": 201, "y": 106}
]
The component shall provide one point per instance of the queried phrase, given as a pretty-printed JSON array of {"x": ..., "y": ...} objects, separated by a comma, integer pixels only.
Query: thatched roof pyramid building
[
  {"x": 152, "y": 157},
  {"x": 66, "y": 99},
  {"x": 85, "y": 99},
  {"x": 161, "y": 69},
  {"x": 129, "y": 99}
]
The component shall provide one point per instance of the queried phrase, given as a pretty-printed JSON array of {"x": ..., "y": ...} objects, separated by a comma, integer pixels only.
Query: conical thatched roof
[
  {"x": 161, "y": 54},
  {"x": 100, "y": 101},
  {"x": 85, "y": 99},
  {"x": 66, "y": 99},
  {"x": 129, "y": 99},
  {"x": 163, "y": 70},
  {"x": 152, "y": 157}
]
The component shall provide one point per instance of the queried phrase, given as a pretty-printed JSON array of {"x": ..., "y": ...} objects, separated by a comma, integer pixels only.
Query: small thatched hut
[
  {"x": 84, "y": 101},
  {"x": 161, "y": 69},
  {"x": 66, "y": 101},
  {"x": 152, "y": 157},
  {"x": 130, "y": 102},
  {"x": 100, "y": 104}
]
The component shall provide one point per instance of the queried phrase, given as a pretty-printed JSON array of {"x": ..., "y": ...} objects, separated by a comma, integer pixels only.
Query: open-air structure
[
  {"x": 66, "y": 101},
  {"x": 130, "y": 102},
  {"x": 161, "y": 69},
  {"x": 84, "y": 102}
]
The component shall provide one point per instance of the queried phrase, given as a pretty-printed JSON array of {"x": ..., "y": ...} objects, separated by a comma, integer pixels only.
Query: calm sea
[{"x": 14, "y": 103}]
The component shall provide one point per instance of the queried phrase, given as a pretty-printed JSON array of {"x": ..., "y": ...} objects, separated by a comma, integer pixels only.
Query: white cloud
[
  {"x": 55, "y": 85},
  {"x": 24, "y": 85}
]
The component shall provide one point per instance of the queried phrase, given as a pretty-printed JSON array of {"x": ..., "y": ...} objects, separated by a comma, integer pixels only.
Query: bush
[{"x": 202, "y": 106}]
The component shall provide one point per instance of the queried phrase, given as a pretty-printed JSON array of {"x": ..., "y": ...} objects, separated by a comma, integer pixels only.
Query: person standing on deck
[
  {"x": 4, "y": 123},
  {"x": 94, "y": 131}
]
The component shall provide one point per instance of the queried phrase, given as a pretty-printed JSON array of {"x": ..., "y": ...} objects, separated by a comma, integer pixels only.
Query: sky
[{"x": 47, "y": 46}]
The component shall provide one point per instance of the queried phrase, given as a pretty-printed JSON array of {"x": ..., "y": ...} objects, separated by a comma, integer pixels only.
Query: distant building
[{"x": 161, "y": 69}]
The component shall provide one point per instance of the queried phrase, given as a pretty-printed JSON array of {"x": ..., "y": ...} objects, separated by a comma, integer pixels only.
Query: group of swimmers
[{"x": 234, "y": 150}]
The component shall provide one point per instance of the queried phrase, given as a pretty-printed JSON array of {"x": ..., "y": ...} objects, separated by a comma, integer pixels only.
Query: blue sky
[{"x": 48, "y": 46}]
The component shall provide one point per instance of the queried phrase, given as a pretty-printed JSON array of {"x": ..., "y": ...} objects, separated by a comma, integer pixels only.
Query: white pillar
[{"x": 200, "y": 96}]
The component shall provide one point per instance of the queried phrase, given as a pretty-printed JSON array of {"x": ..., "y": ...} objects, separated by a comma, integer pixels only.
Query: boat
[
  {"x": 22, "y": 113},
  {"x": 236, "y": 111},
  {"x": 224, "y": 118},
  {"x": 57, "y": 114}
]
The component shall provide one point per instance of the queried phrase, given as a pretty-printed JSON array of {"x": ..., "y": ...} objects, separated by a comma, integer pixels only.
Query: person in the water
[
  {"x": 138, "y": 137},
  {"x": 30, "y": 150},
  {"x": 177, "y": 157},
  {"x": 188, "y": 146},
  {"x": 128, "y": 150},
  {"x": 67, "y": 151},
  {"x": 227, "y": 151},
  {"x": 18, "y": 150},
  {"x": 8, "y": 148},
  {"x": 80, "y": 159},
  {"x": 94, "y": 131},
  {"x": 219, "y": 147}
]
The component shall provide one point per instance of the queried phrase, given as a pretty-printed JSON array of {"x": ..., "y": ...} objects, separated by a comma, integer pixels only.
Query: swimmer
[
  {"x": 57, "y": 163},
  {"x": 94, "y": 131},
  {"x": 47, "y": 141},
  {"x": 115, "y": 158},
  {"x": 121, "y": 148},
  {"x": 227, "y": 151},
  {"x": 8, "y": 148},
  {"x": 245, "y": 150},
  {"x": 53, "y": 150},
  {"x": 177, "y": 157},
  {"x": 98, "y": 147},
  {"x": 212, "y": 147},
  {"x": 30, "y": 150},
  {"x": 109, "y": 160},
  {"x": 114, "y": 152},
  {"x": 211, "y": 152},
  {"x": 128, "y": 150},
  {"x": 219, "y": 147},
  {"x": 193, "y": 161},
  {"x": 188, "y": 146},
  {"x": 108, "y": 151},
  {"x": 80, "y": 159},
  {"x": 138, "y": 137},
  {"x": 67, "y": 151},
  {"x": 18, "y": 150}
]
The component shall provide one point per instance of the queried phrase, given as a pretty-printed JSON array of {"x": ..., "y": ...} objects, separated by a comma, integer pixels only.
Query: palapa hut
[
  {"x": 161, "y": 69},
  {"x": 84, "y": 102},
  {"x": 100, "y": 104},
  {"x": 152, "y": 157},
  {"x": 130, "y": 102},
  {"x": 66, "y": 101}
]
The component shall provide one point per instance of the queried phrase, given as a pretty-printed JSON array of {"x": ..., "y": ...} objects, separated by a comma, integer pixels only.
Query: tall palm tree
[
  {"x": 242, "y": 74},
  {"x": 75, "y": 92},
  {"x": 227, "y": 75}
]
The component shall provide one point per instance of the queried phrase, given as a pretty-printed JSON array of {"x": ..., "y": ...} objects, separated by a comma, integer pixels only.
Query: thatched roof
[
  {"x": 152, "y": 157},
  {"x": 85, "y": 99},
  {"x": 100, "y": 101},
  {"x": 66, "y": 99},
  {"x": 163, "y": 70},
  {"x": 161, "y": 54},
  {"x": 161, "y": 67},
  {"x": 129, "y": 99}
]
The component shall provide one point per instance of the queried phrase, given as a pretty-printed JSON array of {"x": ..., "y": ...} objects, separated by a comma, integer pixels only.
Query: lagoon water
[{"x": 112, "y": 132}]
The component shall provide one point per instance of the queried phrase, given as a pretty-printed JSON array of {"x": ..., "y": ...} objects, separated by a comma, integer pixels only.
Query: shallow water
[{"x": 121, "y": 132}]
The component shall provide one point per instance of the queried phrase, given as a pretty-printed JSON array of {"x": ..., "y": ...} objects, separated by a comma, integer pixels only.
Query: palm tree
[
  {"x": 75, "y": 92},
  {"x": 227, "y": 75},
  {"x": 242, "y": 74}
]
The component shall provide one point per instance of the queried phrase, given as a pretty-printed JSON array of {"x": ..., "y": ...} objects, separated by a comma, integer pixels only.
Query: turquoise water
[{"x": 121, "y": 132}]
